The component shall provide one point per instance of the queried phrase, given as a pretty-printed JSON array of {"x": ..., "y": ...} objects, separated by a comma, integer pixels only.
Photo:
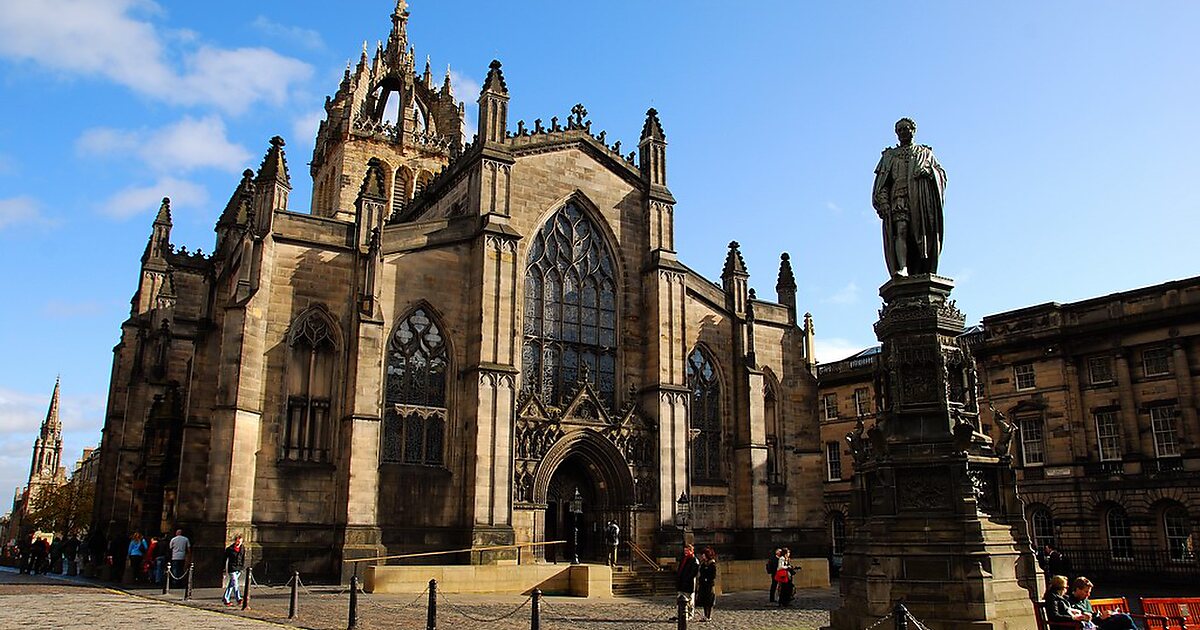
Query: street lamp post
[
  {"x": 577, "y": 510},
  {"x": 683, "y": 514}
]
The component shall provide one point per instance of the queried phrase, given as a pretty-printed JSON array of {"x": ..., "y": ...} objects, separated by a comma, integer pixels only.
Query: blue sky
[{"x": 1066, "y": 129}]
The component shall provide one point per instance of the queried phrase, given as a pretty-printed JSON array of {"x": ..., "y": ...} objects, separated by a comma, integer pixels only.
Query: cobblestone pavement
[
  {"x": 44, "y": 603},
  {"x": 326, "y": 608}
]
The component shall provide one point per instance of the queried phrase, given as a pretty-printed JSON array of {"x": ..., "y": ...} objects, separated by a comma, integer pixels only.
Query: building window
[
  {"x": 1120, "y": 540},
  {"x": 1162, "y": 421},
  {"x": 415, "y": 392},
  {"x": 1177, "y": 530},
  {"x": 705, "y": 412},
  {"x": 862, "y": 401},
  {"x": 833, "y": 461},
  {"x": 306, "y": 427},
  {"x": 1108, "y": 434},
  {"x": 837, "y": 533},
  {"x": 1033, "y": 445},
  {"x": 1156, "y": 361},
  {"x": 1100, "y": 370},
  {"x": 1024, "y": 377},
  {"x": 774, "y": 448},
  {"x": 1042, "y": 526},
  {"x": 830, "y": 404},
  {"x": 570, "y": 323}
]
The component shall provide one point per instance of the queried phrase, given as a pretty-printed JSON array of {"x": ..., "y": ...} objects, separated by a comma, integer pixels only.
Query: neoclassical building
[{"x": 450, "y": 343}]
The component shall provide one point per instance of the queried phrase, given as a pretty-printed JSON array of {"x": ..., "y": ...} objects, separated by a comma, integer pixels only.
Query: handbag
[{"x": 783, "y": 576}]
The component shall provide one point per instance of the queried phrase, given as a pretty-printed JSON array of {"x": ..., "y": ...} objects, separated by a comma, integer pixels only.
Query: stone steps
[{"x": 643, "y": 583}]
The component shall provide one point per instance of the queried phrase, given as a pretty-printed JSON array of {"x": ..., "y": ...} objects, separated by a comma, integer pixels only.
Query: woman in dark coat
[{"x": 706, "y": 582}]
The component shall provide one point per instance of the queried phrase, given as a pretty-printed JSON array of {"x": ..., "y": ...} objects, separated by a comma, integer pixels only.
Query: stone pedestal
[{"x": 935, "y": 520}]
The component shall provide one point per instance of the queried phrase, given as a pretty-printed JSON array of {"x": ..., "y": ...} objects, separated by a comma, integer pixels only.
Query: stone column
[
  {"x": 1131, "y": 436},
  {"x": 1189, "y": 431}
]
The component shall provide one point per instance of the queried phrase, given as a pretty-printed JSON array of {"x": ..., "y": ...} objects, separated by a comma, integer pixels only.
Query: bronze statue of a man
[{"x": 909, "y": 189}]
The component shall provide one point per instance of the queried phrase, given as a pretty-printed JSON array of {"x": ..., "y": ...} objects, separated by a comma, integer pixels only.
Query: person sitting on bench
[{"x": 1081, "y": 589}]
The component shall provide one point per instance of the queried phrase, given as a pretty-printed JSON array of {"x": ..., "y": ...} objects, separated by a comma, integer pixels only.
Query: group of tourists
[
  {"x": 696, "y": 581},
  {"x": 782, "y": 572}
]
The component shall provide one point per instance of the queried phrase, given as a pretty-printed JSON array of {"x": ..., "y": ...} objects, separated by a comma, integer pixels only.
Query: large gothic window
[
  {"x": 570, "y": 311},
  {"x": 705, "y": 414},
  {"x": 306, "y": 432},
  {"x": 414, "y": 423}
]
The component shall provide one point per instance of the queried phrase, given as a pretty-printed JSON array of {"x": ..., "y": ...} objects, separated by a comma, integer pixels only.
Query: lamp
[
  {"x": 576, "y": 509},
  {"x": 683, "y": 511}
]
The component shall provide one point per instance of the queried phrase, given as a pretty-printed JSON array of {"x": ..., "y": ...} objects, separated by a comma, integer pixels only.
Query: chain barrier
[
  {"x": 547, "y": 611},
  {"x": 878, "y": 621},
  {"x": 917, "y": 622},
  {"x": 464, "y": 613},
  {"x": 388, "y": 607},
  {"x": 171, "y": 574},
  {"x": 255, "y": 583},
  {"x": 316, "y": 594}
]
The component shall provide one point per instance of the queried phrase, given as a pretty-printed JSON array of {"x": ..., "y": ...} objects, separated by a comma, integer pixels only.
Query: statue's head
[{"x": 906, "y": 128}]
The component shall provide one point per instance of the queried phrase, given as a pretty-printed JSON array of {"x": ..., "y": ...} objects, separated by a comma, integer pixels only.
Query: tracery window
[
  {"x": 414, "y": 422},
  {"x": 306, "y": 432},
  {"x": 705, "y": 414},
  {"x": 570, "y": 311}
]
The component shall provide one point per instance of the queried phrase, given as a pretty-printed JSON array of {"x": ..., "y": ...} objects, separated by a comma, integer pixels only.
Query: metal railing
[
  {"x": 447, "y": 552},
  {"x": 640, "y": 554},
  {"x": 1157, "y": 565}
]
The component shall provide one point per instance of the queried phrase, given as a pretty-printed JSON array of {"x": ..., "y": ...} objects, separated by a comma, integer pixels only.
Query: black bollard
[
  {"x": 431, "y": 615},
  {"x": 187, "y": 591},
  {"x": 246, "y": 593},
  {"x": 681, "y": 612},
  {"x": 353, "y": 622},
  {"x": 535, "y": 616},
  {"x": 294, "y": 602},
  {"x": 900, "y": 616}
]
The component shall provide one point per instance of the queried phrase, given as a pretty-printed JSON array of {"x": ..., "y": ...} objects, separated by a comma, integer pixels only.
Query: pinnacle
[
  {"x": 274, "y": 164},
  {"x": 653, "y": 128},
  {"x": 734, "y": 264},
  {"x": 372, "y": 186},
  {"x": 495, "y": 79},
  {"x": 787, "y": 279},
  {"x": 164, "y": 212}
]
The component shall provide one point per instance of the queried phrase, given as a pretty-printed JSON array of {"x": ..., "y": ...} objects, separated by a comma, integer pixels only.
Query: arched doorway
[{"x": 585, "y": 461}]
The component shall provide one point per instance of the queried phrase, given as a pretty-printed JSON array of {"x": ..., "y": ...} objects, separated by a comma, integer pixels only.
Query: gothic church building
[{"x": 453, "y": 341}]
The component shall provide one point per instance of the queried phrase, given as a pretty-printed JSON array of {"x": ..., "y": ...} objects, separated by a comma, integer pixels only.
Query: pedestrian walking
[
  {"x": 25, "y": 553},
  {"x": 772, "y": 567},
  {"x": 180, "y": 548},
  {"x": 162, "y": 554},
  {"x": 71, "y": 553},
  {"x": 235, "y": 561},
  {"x": 706, "y": 582},
  {"x": 41, "y": 556},
  {"x": 685, "y": 579},
  {"x": 56, "y": 554},
  {"x": 136, "y": 553},
  {"x": 784, "y": 575}
]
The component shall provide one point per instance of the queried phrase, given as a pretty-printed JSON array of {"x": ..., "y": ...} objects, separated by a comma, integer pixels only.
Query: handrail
[
  {"x": 643, "y": 556},
  {"x": 450, "y": 551}
]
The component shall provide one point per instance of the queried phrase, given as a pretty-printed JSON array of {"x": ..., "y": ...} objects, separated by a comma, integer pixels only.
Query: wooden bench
[
  {"x": 1151, "y": 620},
  {"x": 1174, "y": 612}
]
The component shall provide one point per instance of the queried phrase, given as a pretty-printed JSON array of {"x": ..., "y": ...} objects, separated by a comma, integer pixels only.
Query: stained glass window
[
  {"x": 570, "y": 311},
  {"x": 705, "y": 414},
  {"x": 415, "y": 396}
]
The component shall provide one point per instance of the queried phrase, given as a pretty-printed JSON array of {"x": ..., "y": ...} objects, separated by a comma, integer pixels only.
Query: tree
[{"x": 62, "y": 508}]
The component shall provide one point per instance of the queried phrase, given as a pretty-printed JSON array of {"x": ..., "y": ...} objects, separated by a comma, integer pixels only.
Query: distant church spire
[{"x": 47, "y": 448}]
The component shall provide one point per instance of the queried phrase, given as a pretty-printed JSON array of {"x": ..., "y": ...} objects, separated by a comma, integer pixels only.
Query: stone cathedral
[{"x": 450, "y": 344}]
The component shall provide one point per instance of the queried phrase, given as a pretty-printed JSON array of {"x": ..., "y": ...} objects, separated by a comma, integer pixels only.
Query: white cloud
[
  {"x": 111, "y": 39},
  {"x": 845, "y": 295},
  {"x": 136, "y": 200},
  {"x": 837, "y": 348},
  {"x": 834, "y": 207},
  {"x": 21, "y": 210},
  {"x": 304, "y": 128},
  {"x": 188, "y": 144},
  {"x": 467, "y": 89},
  {"x": 307, "y": 38}
]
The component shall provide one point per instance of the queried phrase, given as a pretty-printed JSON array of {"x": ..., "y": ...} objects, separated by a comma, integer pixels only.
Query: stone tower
[
  {"x": 384, "y": 109},
  {"x": 47, "y": 448}
]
